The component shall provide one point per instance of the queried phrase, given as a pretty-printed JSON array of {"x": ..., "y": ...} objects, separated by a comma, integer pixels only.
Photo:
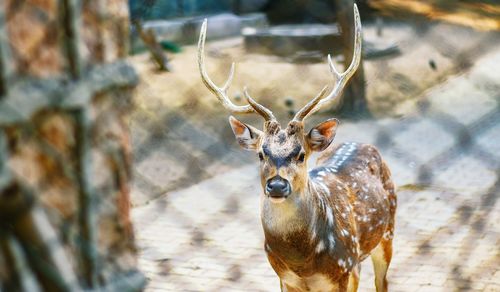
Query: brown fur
[
  {"x": 319, "y": 224},
  {"x": 336, "y": 215}
]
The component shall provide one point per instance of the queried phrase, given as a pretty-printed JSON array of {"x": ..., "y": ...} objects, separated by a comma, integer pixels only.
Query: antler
[
  {"x": 340, "y": 79},
  {"x": 260, "y": 109},
  {"x": 221, "y": 92}
]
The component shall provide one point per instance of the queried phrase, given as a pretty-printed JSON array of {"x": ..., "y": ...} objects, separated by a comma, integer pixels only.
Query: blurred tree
[
  {"x": 153, "y": 45},
  {"x": 64, "y": 99},
  {"x": 354, "y": 97},
  {"x": 307, "y": 11}
]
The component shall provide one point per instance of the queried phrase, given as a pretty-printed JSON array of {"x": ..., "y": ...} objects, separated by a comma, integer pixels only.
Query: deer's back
[{"x": 361, "y": 168}]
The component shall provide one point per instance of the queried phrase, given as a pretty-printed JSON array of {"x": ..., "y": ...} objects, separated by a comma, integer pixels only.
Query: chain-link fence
[
  {"x": 436, "y": 120},
  {"x": 66, "y": 165}
]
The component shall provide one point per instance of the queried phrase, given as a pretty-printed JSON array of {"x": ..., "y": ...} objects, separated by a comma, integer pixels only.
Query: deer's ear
[
  {"x": 247, "y": 136},
  {"x": 321, "y": 136}
]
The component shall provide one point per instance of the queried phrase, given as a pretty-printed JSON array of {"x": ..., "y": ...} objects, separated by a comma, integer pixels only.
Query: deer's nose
[{"x": 278, "y": 187}]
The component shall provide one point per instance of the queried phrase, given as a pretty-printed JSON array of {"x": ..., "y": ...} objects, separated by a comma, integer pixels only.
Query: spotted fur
[
  {"x": 348, "y": 210},
  {"x": 337, "y": 215}
]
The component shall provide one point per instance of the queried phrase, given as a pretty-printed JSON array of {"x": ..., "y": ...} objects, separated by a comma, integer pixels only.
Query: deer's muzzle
[{"x": 278, "y": 187}]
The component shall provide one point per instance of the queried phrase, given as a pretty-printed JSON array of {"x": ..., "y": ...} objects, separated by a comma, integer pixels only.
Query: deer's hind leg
[
  {"x": 382, "y": 254},
  {"x": 381, "y": 257}
]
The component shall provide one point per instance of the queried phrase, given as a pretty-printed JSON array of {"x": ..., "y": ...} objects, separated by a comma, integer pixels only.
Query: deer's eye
[
  {"x": 261, "y": 156},
  {"x": 301, "y": 157}
]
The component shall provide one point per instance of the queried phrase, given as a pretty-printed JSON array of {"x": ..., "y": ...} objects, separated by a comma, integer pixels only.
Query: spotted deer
[{"x": 318, "y": 224}]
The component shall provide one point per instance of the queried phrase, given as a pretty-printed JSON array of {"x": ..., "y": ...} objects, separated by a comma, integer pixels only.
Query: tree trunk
[
  {"x": 65, "y": 162},
  {"x": 354, "y": 96}
]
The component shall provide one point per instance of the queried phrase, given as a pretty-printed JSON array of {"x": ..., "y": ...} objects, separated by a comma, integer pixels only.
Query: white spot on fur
[
  {"x": 349, "y": 262},
  {"x": 320, "y": 247},
  {"x": 388, "y": 235},
  {"x": 329, "y": 216},
  {"x": 324, "y": 188},
  {"x": 313, "y": 224},
  {"x": 313, "y": 234},
  {"x": 341, "y": 263},
  {"x": 331, "y": 241}
]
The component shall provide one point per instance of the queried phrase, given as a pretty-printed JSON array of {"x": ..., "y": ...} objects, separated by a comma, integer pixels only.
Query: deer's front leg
[
  {"x": 354, "y": 278},
  {"x": 343, "y": 285}
]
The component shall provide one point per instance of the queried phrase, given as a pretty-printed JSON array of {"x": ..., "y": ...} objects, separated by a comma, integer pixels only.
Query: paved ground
[
  {"x": 180, "y": 133},
  {"x": 445, "y": 158}
]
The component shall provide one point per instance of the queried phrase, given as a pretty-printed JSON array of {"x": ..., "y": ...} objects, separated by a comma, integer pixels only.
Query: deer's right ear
[{"x": 247, "y": 136}]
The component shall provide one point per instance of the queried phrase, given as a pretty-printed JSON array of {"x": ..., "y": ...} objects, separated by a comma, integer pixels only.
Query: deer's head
[{"x": 283, "y": 152}]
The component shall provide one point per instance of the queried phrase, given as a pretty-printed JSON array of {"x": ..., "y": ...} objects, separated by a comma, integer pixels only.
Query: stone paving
[
  {"x": 179, "y": 130},
  {"x": 445, "y": 159}
]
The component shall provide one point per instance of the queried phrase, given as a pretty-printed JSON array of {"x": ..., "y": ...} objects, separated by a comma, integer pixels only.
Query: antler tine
[
  {"x": 306, "y": 110},
  {"x": 220, "y": 92},
  {"x": 341, "y": 79},
  {"x": 262, "y": 110}
]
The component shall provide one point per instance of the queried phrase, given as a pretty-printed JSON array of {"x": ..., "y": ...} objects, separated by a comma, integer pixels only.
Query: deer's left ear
[{"x": 321, "y": 136}]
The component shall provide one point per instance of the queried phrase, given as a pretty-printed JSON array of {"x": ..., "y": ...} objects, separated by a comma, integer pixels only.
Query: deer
[{"x": 319, "y": 224}]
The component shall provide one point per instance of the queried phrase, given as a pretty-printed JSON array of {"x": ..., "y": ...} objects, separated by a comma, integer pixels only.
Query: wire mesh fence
[
  {"x": 436, "y": 120},
  {"x": 437, "y": 130}
]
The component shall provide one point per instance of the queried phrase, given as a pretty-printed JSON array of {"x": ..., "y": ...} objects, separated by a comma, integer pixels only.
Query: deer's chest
[
  {"x": 297, "y": 261},
  {"x": 291, "y": 251}
]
